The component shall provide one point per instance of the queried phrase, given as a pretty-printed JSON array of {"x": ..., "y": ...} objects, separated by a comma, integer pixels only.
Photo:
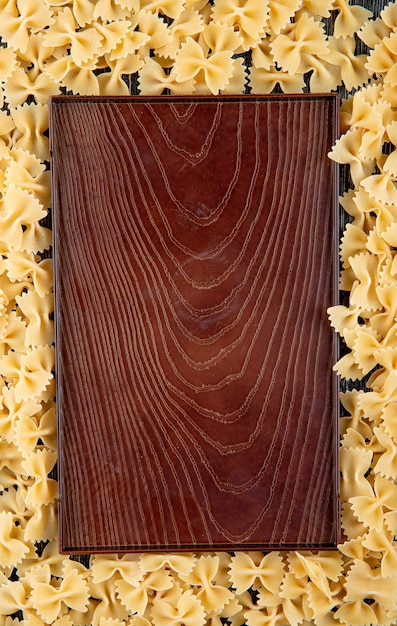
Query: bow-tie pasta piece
[
  {"x": 249, "y": 568},
  {"x": 111, "y": 10},
  {"x": 386, "y": 464},
  {"x": 106, "y": 602},
  {"x": 355, "y": 463},
  {"x": 263, "y": 81},
  {"x": 13, "y": 598},
  {"x": 159, "y": 35},
  {"x": 37, "y": 311},
  {"x": 153, "y": 80},
  {"x": 189, "y": 24},
  {"x": 24, "y": 170},
  {"x": 370, "y": 510},
  {"x": 383, "y": 60},
  {"x": 381, "y": 186},
  {"x": 42, "y": 524},
  {"x": 317, "y": 566},
  {"x": 350, "y": 18},
  {"x": 384, "y": 321},
  {"x": 30, "y": 373},
  {"x": 11, "y": 411},
  {"x": 112, "y": 83},
  {"x": 7, "y": 126},
  {"x": 373, "y": 402},
  {"x": 353, "y": 417},
  {"x": 79, "y": 80},
  {"x": 389, "y": 419},
  {"x": 130, "y": 44},
  {"x": 20, "y": 19},
  {"x": 128, "y": 567},
  {"x": 363, "y": 293},
  {"x": 347, "y": 151},
  {"x": 8, "y": 63},
  {"x": 364, "y": 583},
  {"x": 280, "y": 13},
  {"x": 13, "y": 334},
  {"x": 12, "y": 546},
  {"x": 170, "y": 8},
  {"x": 38, "y": 465},
  {"x": 216, "y": 37},
  {"x": 353, "y": 530},
  {"x": 136, "y": 597},
  {"x": 11, "y": 467},
  {"x": 382, "y": 542},
  {"x": 249, "y": 20},
  {"x": 299, "y": 41},
  {"x": 216, "y": 68},
  {"x": 23, "y": 85},
  {"x": 20, "y": 211},
  {"x": 25, "y": 269},
  {"x": 29, "y": 429},
  {"x": 373, "y": 31},
  {"x": 352, "y": 66},
  {"x": 184, "y": 609},
  {"x": 366, "y": 348},
  {"x": 343, "y": 318},
  {"x": 51, "y": 597},
  {"x": 353, "y": 242},
  {"x": 212, "y": 596},
  {"x": 390, "y": 164},
  {"x": 325, "y": 76},
  {"x": 82, "y": 45},
  {"x": 31, "y": 122},
  {"x": 323, "y": 603},
  {"x": 83, "y": 10},
  {"x": 289, "y": 607},
  {"x": 179, "y": 563}
]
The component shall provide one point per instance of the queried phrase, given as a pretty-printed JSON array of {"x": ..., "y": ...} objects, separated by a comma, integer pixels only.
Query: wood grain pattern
[{"x": 194, "y": 251}]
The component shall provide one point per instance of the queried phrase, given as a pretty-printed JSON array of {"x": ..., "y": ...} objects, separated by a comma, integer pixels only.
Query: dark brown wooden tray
[{"x": 195, "y": 250}]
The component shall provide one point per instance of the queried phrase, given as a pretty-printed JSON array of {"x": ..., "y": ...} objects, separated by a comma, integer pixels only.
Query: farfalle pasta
[
  {"x": 216, "y": 68},
  {"x": 177, "y": 609},
  {"x": 48, "y": 599},
  {"x": 248, "y": 20},
  {"x": 187, "y": 47},
  {"x": 301, "y": 40}
]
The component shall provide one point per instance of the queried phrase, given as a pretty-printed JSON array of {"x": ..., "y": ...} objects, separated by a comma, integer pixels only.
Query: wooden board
[{"x": 195, "y": 257}]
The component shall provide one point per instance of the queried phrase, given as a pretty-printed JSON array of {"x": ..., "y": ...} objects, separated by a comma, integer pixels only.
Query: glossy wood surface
[{"x": 195, "y": 247}]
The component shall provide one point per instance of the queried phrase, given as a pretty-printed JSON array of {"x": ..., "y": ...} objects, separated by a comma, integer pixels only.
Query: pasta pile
[{"x": 198, "y": 47}]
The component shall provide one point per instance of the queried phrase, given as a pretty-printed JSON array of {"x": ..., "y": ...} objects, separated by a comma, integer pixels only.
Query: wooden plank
[{"x": 195, "y": 257}]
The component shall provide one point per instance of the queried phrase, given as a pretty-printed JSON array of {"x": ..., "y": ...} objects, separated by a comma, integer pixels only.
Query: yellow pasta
[
  {"x": 217, "y": 68},
  {"x": 48, "y": 599},
  {"x": 212, "y": 596},
  {"x": 13, "y": 548},
  {"x": 128, "y": 567},
  {"x": 136, "y": 597},
  {"x": 300, "y": 41},
  {"x": 153, "y": 80},
  {"x": 38, "y": 465},
  {"x": 177, "y": 609},
  {"x": 31, "y": 122},
  {"x": 194, "y": 47},
  {"x": 249, "y": 19},
  {"x": 280, "y": 13},
  {"x": 350, "y": 18},
  {"x": 22, "y": 84},
  {"x": 246, "y": 569},
  {"x": 370, "y": 509},
  {"x": 22, "y": 19},
  {"x": 74, "y": 78}
]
